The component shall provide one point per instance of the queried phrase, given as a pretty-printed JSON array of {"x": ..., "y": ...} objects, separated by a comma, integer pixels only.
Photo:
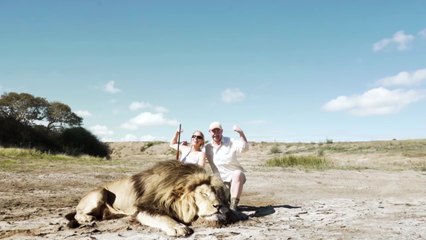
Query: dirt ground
[{"x": 280, "y": 203}]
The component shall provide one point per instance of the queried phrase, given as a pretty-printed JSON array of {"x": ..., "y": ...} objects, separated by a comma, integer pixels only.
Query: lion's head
[
  {"x": 207, "y": 201},
  {"x": 184, "y": 191}
]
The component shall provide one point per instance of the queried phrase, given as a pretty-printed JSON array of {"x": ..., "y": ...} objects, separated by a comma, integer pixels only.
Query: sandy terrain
[{"x": 363, "y": 202}]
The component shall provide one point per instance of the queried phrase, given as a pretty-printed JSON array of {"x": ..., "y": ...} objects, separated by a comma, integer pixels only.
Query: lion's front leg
[{"x": 165, "y": 223}]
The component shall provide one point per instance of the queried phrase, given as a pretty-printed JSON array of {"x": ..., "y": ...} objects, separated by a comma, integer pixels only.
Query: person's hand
[
  {"x": 240, "y": 132},
  {"x": 237, "y": 129},
  {"x": 181, "y": 130}
]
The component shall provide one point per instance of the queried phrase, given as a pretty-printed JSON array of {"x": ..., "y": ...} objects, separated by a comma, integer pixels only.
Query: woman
[{"x": 190, "y": 153}]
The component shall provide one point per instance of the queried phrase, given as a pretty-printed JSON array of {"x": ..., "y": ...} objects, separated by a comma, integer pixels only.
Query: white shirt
[
  {"x": 224, "y": 157},
  {"x": 190, "y": 158}
]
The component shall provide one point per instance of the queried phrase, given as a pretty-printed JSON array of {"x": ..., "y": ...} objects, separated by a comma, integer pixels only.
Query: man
[{"x": 222, "y": 156}]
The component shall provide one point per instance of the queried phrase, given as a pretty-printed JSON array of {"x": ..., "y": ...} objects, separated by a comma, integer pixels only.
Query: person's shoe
[{"x": 234, "y": 204}]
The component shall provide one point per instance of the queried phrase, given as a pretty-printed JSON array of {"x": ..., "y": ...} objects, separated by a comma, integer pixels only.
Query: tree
[
  {"x": 27, "y": 109},
  {"x": 59, "y": 115},
  {"x": 23, "y": 107}
]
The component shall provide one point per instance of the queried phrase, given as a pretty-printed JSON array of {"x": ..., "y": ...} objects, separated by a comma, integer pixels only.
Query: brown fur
[{"x": 169, "y": 196}]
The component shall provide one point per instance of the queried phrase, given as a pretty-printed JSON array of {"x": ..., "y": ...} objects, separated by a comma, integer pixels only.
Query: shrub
[
  {"x": 148, "y": 145},
  {"x": 78, "y": 141},
  {"x": 16, "y": 134},
  {"x": 275, "y": 149},
  {"x": 308, "y": 162}
]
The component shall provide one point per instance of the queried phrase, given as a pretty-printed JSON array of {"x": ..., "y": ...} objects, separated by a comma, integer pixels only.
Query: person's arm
[
  {"x": 202, "y": 159},
  {"x": 241, "y": 133},
  {"x": 209, "y": 156},
  {"x": 243, "y": 137},
  {"x": 174, "y": 141}
]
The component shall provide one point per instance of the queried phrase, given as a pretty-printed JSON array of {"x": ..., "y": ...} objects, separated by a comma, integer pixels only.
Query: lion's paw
[
  {"x": 180, "y": 230},
  {"x": 84, "y": 218}
]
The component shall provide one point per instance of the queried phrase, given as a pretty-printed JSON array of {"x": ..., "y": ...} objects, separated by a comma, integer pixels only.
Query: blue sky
[{"x": 285, "y": 71}]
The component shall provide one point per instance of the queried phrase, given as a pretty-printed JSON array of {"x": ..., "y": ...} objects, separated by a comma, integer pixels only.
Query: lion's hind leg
[
  {"x": 167, "y": 224},
  {"x": 92, "y": 206}
]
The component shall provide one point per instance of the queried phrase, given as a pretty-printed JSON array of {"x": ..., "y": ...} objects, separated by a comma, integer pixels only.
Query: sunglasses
[{"x": 197, "y": 136}]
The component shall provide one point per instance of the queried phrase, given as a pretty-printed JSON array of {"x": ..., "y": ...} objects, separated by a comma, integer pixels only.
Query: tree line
[{"x": 33, "y": 122}]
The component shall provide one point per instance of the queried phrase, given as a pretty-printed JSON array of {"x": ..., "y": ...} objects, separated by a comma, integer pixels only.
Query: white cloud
[
  {"x": 422, "y": 33},
  {"x": 129, "y": 138},
  {"x": 110, "y": 87},
  {"x": 138, "y": 105},
  {"x": 145, "y": 138},
  {"x": 232, "y": 95},
  {"x": 107, "y": 139},
  {"x": 83, "y": 113},
  {"x": 404, "y": 78},
  {"x": 134, "y": 106},
  {"x": 377, "y": 101},
  {"x": 101, "y": 130},
  {"x": 400, "y": 39},
  {"x": 160, "y": 109},
  {"x": 147, "y": 119}
]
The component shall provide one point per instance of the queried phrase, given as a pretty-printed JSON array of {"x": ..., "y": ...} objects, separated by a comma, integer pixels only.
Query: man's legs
[{"x": 237, "y": 183}]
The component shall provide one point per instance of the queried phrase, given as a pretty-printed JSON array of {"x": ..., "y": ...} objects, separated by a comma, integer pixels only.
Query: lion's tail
[{"x": 71, "y": 218}]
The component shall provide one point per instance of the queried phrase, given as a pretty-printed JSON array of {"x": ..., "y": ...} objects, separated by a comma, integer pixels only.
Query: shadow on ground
[{"x": 259, "y": 211}]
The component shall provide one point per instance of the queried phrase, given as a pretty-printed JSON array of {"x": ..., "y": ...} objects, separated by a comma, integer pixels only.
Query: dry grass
[
  {"x": 30, "y": 160},
  {"x": 304, "y": 162},
  {"x": 381, "y": 155}
]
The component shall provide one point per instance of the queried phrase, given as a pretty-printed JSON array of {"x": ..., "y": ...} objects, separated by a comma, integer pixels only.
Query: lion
[{"x": 168, "y": 196}]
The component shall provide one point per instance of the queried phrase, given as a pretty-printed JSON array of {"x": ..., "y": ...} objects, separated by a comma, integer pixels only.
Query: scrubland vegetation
[
  {"x": 33, "y": 122},
  {"x": 384, "y": 155}
]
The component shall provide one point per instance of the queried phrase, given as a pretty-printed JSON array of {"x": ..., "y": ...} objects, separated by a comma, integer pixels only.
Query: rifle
[{"x": 177, "y": 151}]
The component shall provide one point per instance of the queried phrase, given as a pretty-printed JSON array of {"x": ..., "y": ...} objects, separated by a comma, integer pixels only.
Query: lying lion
[{"x": 169, "y": 196}]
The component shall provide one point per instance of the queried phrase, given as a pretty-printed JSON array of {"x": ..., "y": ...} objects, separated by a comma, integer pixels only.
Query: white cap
[{"x": 214, "y": 125}]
